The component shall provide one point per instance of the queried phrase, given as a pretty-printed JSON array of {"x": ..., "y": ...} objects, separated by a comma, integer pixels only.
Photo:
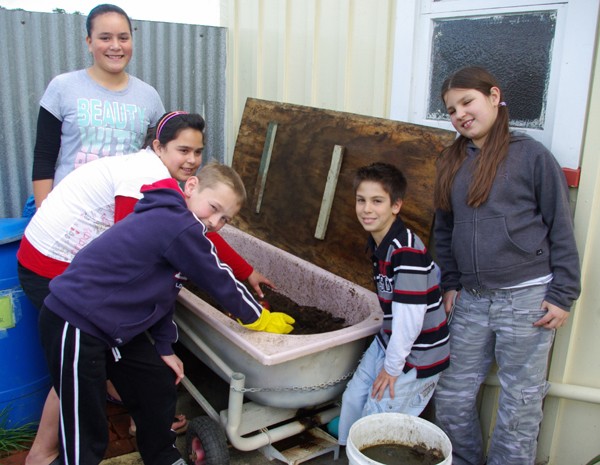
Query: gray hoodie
[{"x": 523, "y": 231}]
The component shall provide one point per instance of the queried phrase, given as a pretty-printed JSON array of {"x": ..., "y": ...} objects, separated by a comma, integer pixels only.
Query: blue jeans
[
  {"x": 495, "y": 324},
  {"x": 411, "y": 394}
]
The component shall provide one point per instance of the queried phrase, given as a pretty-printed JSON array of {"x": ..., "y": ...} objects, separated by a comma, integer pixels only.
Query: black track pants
[{"x": 80, "y": 364}]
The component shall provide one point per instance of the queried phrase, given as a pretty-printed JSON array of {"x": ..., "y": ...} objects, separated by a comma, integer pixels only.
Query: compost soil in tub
[{"x": 309, "y": 320}]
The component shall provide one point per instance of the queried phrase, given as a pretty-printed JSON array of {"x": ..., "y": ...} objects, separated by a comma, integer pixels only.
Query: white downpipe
[
  {"x": 562, "y": 391},
  {"x": 266, "y": 436}
]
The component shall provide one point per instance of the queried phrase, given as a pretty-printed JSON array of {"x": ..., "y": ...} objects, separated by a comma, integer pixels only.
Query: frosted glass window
[{"x": 516, "y": 48}]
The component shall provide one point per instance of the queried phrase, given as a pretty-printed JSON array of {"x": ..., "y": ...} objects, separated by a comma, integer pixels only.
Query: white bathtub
[{"x": 286, "y": 371}]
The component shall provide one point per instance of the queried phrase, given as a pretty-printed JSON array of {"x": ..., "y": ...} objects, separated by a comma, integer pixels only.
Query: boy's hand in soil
[
  {"x": 272, "y": 322},
  {"x": 175, "y": 364}
]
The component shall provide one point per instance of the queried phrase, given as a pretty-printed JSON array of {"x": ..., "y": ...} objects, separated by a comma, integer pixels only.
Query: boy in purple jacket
[{"x": 110, "y": 314}]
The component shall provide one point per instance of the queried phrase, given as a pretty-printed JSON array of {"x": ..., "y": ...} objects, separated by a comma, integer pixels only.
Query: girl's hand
[
  {"x": 175, "y": 364},
  {"x": 383, "y": 381},
  {"x": 449, "y": 300},
  {"x": 554, "y": 318},
  {"x": 256, "y": 279}
]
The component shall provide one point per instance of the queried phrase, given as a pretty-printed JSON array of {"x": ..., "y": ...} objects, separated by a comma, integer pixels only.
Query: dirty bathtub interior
[{"x": 289, "y": 371}]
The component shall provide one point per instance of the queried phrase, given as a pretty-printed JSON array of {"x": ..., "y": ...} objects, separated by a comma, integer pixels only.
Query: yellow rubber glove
[{"x": 272, "y": 322}]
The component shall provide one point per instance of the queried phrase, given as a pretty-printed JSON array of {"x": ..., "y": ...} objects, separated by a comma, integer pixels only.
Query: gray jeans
[{"x": 495, "y": 324}]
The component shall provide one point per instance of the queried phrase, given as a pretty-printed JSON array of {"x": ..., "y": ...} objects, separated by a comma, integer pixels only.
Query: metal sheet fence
[{"x": 185, "y": 63}]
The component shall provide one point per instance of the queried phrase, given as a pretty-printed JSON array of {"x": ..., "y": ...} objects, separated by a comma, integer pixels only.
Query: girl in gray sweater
[{"x": 510, "y": 270}]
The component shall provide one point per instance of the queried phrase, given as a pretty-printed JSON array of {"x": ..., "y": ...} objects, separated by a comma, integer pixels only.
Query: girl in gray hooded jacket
[{"x": 510, "y": 270}]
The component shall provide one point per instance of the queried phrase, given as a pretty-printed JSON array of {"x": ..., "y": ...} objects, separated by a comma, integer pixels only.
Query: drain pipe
[
  {"x": 266, "y": 436},
  {"x": 562, "y": 391}
]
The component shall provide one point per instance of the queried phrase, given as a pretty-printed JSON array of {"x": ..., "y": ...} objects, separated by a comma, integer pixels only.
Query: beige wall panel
[
  {"x": 241, "y": 20},
  {"x": 272, "y": 38},
  {"x": 299, "y": 52},
  {"x": 576, "y": 436},
  {"x": 333, "y": 54},
  {"x": 578, "y": 423},
  {"x": 369, "y": 63},
  {"x": 584, "y": 361}
]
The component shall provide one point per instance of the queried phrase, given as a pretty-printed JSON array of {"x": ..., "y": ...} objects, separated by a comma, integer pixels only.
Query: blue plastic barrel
[{"x": 24, "y": 378}]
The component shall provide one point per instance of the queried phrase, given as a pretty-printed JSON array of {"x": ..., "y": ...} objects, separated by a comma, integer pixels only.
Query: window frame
[{"x": 570, "y": 68}]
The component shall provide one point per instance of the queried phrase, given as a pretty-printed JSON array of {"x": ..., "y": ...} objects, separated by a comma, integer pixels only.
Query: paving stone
[{"x": 120, "y": 447}]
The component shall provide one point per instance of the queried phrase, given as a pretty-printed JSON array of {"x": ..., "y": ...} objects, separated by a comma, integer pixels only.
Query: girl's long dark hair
[{"x": 493, "y": 152}]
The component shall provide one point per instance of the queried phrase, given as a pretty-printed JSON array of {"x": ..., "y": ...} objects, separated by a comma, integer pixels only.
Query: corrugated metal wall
[{"x": 185, "y": 63}]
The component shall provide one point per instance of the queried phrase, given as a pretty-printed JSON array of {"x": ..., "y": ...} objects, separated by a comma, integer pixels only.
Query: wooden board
[{"x": 296, "y": 179}]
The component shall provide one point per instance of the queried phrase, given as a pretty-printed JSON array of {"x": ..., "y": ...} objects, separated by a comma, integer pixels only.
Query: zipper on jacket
[{"x": 475, "y": 247}]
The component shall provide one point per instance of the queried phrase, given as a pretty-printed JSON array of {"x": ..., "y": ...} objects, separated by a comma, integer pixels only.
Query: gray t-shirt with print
[{"x": 97, "y": 122}]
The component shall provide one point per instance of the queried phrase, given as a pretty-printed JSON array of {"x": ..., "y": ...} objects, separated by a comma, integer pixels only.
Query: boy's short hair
[
  {"x": 215, "y": 173},
  {"x": 390, "y": 177}
]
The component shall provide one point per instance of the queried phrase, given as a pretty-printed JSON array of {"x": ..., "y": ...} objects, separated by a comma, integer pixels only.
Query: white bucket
[{"x": 394, "y": 428}]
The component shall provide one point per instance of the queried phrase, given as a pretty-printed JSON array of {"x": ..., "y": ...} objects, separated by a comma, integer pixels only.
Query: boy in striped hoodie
[{"x": 401, "y": 368}]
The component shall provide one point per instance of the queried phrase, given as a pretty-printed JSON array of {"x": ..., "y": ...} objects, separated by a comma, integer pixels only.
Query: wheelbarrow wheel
[{"x": 206, "y": 443}]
